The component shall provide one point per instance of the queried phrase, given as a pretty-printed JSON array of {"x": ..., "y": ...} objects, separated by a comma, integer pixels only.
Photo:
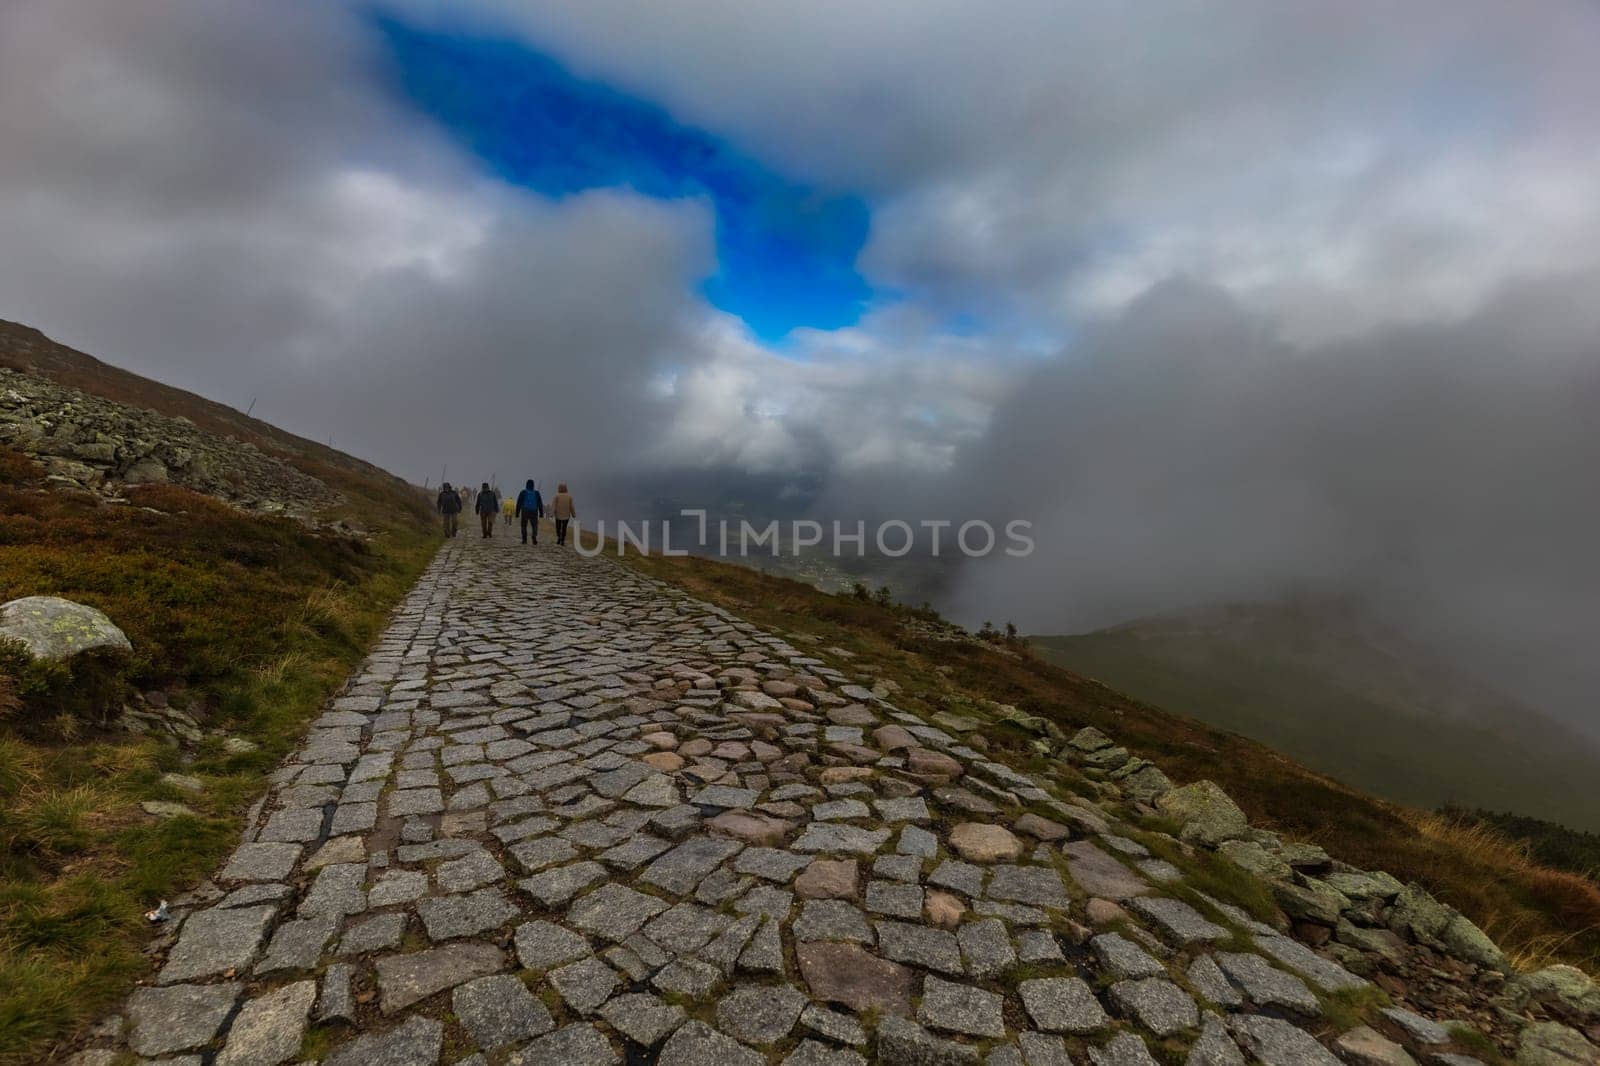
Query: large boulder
[
  {"x": 1311, "y": 900},
  {"x": 1207, "y": 814},
  {"x": 1147, "y": 784},
  {"x": 1465, "y": 940},
  {"x": 1417, "y": 914},
  {"x": 56, "y": 629}
]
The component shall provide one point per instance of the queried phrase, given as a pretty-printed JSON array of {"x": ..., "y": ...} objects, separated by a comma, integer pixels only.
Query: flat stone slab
[
  {"x": 762, "y": 1015},
  {"x": 261, "y": 862},
  {"x": 1156, "y": 1004},
  {"x": 840, "y": 839},
  {"x": 446, "y": 917},
  {"x": 1274, "y": 1042},
  {"x": 584, "y": 984},
  {"x": 959, "y": 1008},
  {"x": 851, "y": 976},
  {"x": 934, "y": 949},
  {"x": 645, "y": 1019},
  {"x": 215, "y": 941},
  {"x": 1037, "y": 885},
  {"x": 1266, "y": 985},
  {"x": 544, "y": 945},
  {"x": 1098, "y": 874},
  {"x": 496, "y": 1011},
  {"x": 1062, "y": 1005},
  {"x": 415, "y": 1042},
  {"x": 614, "y": 912},
  {"x": 269, "y": 1029},
  {"x": 697, "y": 1044},
  {"x": 406, "y": 979},
  {"x": 682, "y": 868},
  {"x": 1178, "y": 922},
  {"x": 179, "y": 1017},
  {"x": 573, "y": 1045}
]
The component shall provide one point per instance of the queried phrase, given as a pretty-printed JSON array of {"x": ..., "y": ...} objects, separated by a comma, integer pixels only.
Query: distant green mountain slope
[{"x": 1347, "y": 696}]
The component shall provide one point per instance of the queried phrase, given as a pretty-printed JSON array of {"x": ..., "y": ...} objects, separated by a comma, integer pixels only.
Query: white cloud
[{"x": 1340, "y": 166}]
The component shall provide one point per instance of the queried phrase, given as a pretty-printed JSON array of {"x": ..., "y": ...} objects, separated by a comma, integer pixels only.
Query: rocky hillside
[
  {"x": 86, "y": 442},
  {"x": 93, "y": 424},
  {"x": 224, "y": 554}
]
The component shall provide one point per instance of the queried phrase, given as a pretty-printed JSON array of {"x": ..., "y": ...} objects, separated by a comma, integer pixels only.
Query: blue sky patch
[{"x": 786, "y": 252}]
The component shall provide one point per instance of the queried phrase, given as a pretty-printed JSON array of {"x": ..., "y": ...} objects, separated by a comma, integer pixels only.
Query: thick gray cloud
[
  {"x": 1183, "y": 455},
  {"x": 1342, "y": 165},
  {"x": 223, "y": 196}
]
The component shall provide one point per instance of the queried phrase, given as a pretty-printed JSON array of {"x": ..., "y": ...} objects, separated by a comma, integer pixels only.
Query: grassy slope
[
  {"x": 248, "y": 622},
  {"x": 1536, "y": 912},
  {"x": 1409, "y": 756},
  {"x": 1548, "y": 843}
]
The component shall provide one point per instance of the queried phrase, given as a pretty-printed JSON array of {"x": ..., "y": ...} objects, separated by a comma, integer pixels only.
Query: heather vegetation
[{"x": 244, "y": 624}]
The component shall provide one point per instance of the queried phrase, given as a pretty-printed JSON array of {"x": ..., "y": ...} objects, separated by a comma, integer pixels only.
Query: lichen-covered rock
[
  {"x": 1253, "y": 858},
  {"x": 1417, "y": 914},
  {"x": 57, "y": 630},
  {"x": 1565, "y": 988},
  {"x": 1359, "y": 884},
  {"x": 1553, "y": 1044},
  {"x": 1208, "y": 815},
  {"x": 1463, "y": 939},
  {"x": 1147, "y": 784},
  {"x": 1311, "y": 900}
]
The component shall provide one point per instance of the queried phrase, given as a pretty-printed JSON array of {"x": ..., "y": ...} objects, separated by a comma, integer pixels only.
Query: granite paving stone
[{"x": 605, "y": 821}]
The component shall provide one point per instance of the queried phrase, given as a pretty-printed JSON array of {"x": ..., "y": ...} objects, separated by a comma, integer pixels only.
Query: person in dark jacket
[
  {"x": 450, "y": 507},
  {"x": 530, "y": 508},
  {"x": 488, "y": 506}
]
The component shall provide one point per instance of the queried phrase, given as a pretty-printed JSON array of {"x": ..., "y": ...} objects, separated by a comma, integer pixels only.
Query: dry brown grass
[
  {"x": 273, "y": 671},
  {"x": 1570, "y": 895},
  {"x": 330, "y": 605}
]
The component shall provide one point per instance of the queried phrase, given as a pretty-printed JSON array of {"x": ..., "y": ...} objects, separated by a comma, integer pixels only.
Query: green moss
[
  {"x": 1348, "y": 1008},
  {"x": 1476, "y": 1044}
]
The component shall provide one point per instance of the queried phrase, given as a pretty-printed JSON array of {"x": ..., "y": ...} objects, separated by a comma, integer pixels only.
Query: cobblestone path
[{"x": 564, "y": 815}]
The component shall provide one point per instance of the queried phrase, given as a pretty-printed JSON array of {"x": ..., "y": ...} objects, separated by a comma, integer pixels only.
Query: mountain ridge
[{"x": 1351, "y": 695}]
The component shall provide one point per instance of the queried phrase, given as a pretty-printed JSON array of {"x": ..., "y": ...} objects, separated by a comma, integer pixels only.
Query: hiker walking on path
[
  {"x": 487, "y": 508},
  {"x": 450, "y": 507},
  {"x": 508, "y": 509},
  {"x": 530, "y": 506},
  {"x": 562, "y": 509}
]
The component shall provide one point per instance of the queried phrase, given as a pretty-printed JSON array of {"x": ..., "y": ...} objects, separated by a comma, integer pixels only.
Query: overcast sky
[{"x": 1227, "y": 297}]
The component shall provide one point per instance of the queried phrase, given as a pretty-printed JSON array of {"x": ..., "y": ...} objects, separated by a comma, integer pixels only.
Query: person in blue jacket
[{"x": 530, "y": 508}]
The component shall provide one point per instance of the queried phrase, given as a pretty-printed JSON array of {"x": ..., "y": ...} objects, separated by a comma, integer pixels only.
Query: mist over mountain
[
  {"x": 1440, "y": 476},
  {"x": 1275, "y": 308},
  {"x": 1324, "y": 681}
]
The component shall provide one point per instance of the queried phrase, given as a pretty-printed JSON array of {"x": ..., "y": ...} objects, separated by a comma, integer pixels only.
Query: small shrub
[
  {"x": 17, "y": 469},
  {"x": 10, "y": 698},
  {"x": 92, "y": 686}
]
